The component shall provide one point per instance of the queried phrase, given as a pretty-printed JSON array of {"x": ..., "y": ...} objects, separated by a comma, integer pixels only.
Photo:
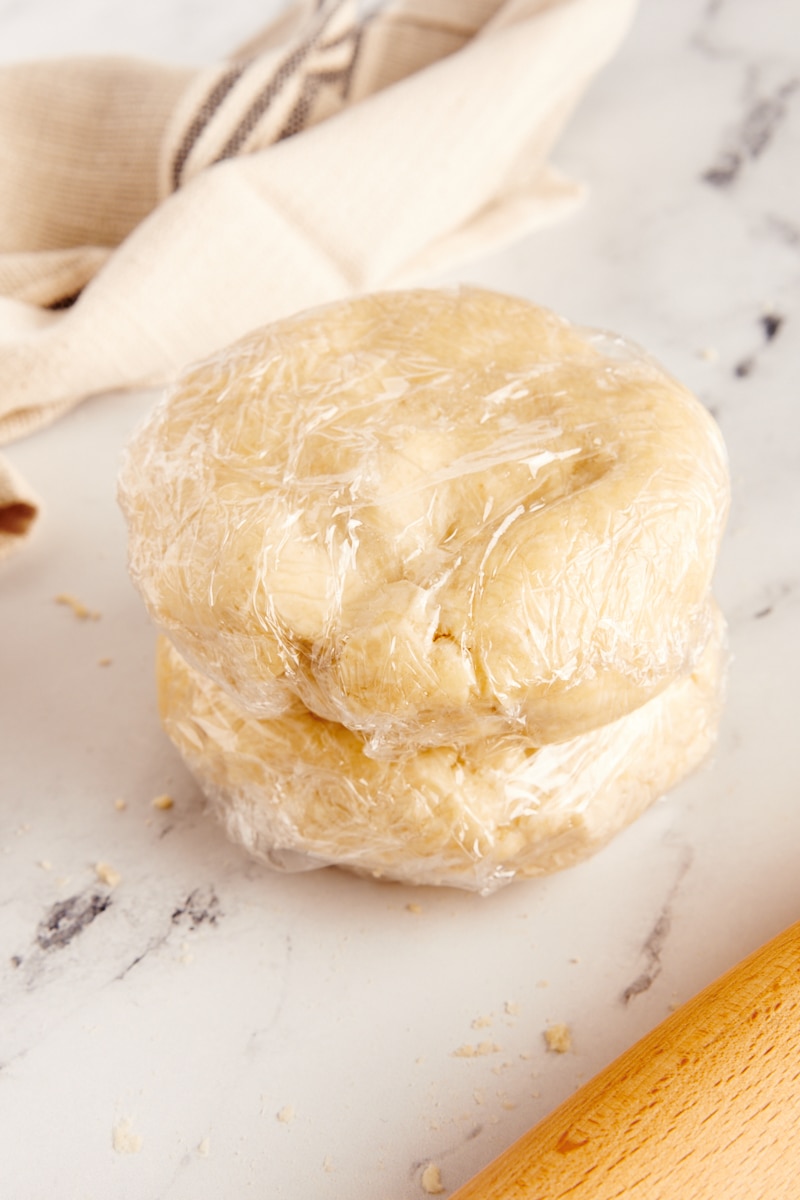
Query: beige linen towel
[{"x": 149, "y": 215}]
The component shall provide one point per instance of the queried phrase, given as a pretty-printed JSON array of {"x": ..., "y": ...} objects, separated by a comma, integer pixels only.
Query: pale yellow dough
[
  {"x": 431, "y": 516},
  {"x": 300, "y": 792}
]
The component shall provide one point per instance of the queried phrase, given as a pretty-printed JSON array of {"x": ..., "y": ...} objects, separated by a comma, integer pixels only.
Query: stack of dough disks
[{"x": 434, "y": 570}]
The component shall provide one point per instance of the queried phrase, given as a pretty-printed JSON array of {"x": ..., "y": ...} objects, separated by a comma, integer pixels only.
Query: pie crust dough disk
[
  {"x": 300, "y": 792},
  {"x": 431, "y": 516}
]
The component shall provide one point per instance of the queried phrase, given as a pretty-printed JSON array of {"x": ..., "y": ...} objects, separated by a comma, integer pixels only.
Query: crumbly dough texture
[
  {"x": 430, "y": 516},
  {"x": 299, "y": 791}
]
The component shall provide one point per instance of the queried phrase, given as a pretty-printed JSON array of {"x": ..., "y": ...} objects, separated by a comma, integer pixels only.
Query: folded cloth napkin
[{"x": 150, "y": 214}]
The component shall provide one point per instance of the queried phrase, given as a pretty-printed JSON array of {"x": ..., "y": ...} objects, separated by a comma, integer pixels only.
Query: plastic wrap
[
  {"x": 299, "y": 791},
  {"x": 432, "y": 517}
]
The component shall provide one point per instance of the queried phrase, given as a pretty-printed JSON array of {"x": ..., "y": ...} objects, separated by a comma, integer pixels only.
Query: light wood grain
[{"x": 705, "y": 1107}]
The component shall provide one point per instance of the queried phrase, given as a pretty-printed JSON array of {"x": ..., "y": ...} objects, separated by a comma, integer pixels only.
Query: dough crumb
[
  {"x": 710, "y": 354},
  {"x": 107, "y": 874},
  {"x": 432, "y": 1180},
  {"x": 104, "y": 662},
  {"x": 286, "y": 1114},
  {"x": 414, "y": 908},
  {"x": 123, "y": 1138},
  {"x": 558, "y": 1038},
  {"x": 45, "y": 864},
  {"x": 465, "y": 1051},
  {"x": 481, "y": 1022},
  {"x": 512, "y": 1008},
  {"x": 327, "y": 1163},
  {"x": 204, "y": 1148},
  {"x": 120, "y": 805},
  {"x": 487, "y": 1048},
  {"x": 163, "y": 802},
  {"x": 542, "y": 983},
  {"x": 482, "y": 1048},
  {"x": 79, "y": 609}
]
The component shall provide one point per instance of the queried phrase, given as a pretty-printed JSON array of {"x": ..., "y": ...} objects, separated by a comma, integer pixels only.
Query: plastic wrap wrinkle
[
  {"x": 299, "y": 791},
  {"x": 430, "y": 516}
]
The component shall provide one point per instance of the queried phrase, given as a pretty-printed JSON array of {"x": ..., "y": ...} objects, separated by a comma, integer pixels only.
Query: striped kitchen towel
[{"x": 151, "y": 214}]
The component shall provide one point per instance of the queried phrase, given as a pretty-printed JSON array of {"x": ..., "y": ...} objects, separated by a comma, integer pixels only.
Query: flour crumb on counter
[
  {"x": 120, "y": 804},
  {"x": 163, "y": 803},
  {"x": 511, "y": 1008},
  {"x": 414, "y": 908},
  {"x": 327, "y": 1164},
  {"x": 44, "y": 864},
  {"x": 204, "y": 1148},
  {"x": 104, "y": 662},
  {"x": 481, "y": 1022},
  {"x": 123, "y": 1138},
  {"x": 286, "y": 1114},
  {"x": 432, "y": 1180},
  {"x": 107, "y": 874},
  {"x": 79, "y": 609},
  {"x": 558, "y": 1038}
]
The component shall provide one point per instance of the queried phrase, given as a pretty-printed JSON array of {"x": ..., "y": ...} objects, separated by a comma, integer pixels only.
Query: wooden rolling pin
[{"x": 705, "y": 1107}]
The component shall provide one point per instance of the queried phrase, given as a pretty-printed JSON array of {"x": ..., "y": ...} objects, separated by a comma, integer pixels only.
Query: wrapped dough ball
[
  {"x": 430, "y": 516},
  {"x": 299, "y": 791}
]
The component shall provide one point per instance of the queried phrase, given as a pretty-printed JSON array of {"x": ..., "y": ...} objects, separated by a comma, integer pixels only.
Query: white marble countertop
[{"x": 244, "y": 1033}]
